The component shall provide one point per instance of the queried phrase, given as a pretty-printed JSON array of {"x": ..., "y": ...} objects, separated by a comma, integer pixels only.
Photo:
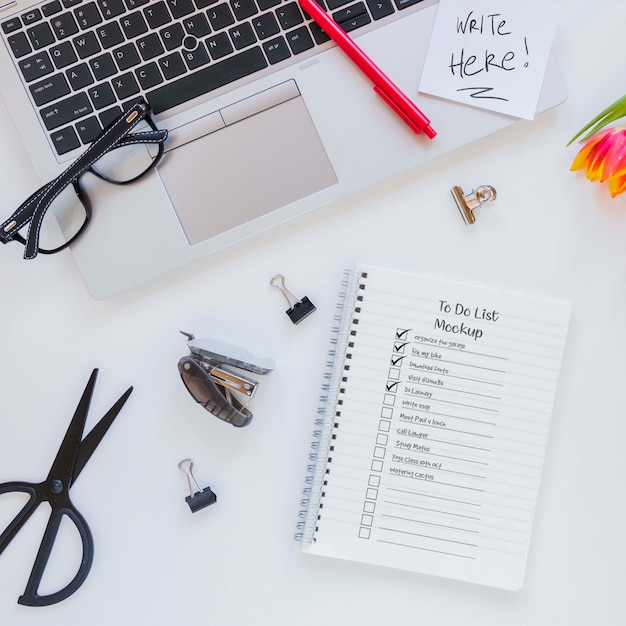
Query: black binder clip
[
  {"x": 298, "y": 309},
  {"x": 198, "y": 498},
  {"x": 467, "y": 204}
]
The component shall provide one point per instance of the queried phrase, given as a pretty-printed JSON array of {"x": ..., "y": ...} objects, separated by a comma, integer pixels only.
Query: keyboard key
[
  {"x": 149, "y": 76},
  {"x": 277, "y": 50},
  {"x": 88, "y": 15},
  {"x": 319, "y": 35},
  {"x": 206, "y": 79},
  {"x": 172, "y": 65},
  {"x": 197, "y": 57},
  {"x": 65, "y": 140},
  {"x": 405, "y": 4},
  {"x": 264, "y": 5},
  {"x": 134, "y": 25},
  {"x": 40, "y": 35},
  {"x": 103, "y": 66},
  {"x": 135, "y": 4},
  {"x": 335, "y": 4},
  {"x": 111, "y": 8},
  {"x": 197, "y": 25},
  {"x": 157, "y": 15},
  {"x": 10, "y": 26},
  {"x": 172, "y": 36},
  {"x": 88, "y": 129},
  {"x": 110, "y": 34},
  {"x": 243, "y": 9},
  {"x": 125, "y": 85},
  {"x": 86, "y": 45},
  {"x": 289, "y": 15},
  {"x": 51, "y": 8},
  {"x": 349, "y": 12},
  {"x": 126, "y": 56},
  {"x": 220, "y": 16},
  {"x": 150, "y": 46},
  {"x": 36, "y": 66},
  {"x": 265, "y": 25},
  {"x": 66, "y": 111},
  {"x": 70, "y": 3},
  {"x": 19, "y": 45},
  {"x": 219, "y": 46},
  {"x": 109, "y": 116},
  {"x": 102, "y": 96},
  {"x": 355, "y": 22},
  {"x": 63, "y": 55},
  {"x": 242, "y": 35},
  {"x": 180, "y": 8},
  {"x": 380, "y": 8},
  {"x": 203, "y": 4},
  {"x": 31, "y": 17},
  {"x": 299, "y": 40},
  {"x": 79, "y": 76},
  {"x": 49, "y": 89},
  {"x": 64, "y": 26}
]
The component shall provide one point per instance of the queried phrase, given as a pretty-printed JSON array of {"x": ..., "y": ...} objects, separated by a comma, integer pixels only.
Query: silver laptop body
[{"x": 266, "y": 148}]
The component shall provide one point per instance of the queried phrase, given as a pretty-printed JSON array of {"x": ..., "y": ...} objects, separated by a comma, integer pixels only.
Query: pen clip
[{"x": 428, "y": 131}]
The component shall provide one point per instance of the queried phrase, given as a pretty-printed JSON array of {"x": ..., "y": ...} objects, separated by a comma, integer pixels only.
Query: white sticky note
[{"x": 490, "y": 53}]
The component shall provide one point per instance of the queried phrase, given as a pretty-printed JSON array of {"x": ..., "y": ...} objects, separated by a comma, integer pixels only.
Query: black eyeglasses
[{"x": 117, "y": 156}]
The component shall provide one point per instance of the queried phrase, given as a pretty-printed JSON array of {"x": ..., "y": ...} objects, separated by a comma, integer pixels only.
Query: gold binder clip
[{"x": 467, "y": 204}]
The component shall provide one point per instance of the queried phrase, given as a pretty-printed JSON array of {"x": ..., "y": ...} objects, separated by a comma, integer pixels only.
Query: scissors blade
[
  {"x": 63, "y": 467},
  {"x": 91, "y": 440}
]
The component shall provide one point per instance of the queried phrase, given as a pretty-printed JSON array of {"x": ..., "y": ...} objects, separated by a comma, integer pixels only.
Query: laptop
[{"x": 267, "y": 118}]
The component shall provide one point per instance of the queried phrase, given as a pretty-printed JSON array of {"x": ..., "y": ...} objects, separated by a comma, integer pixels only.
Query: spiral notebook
[{"x": 429, "y": 447}]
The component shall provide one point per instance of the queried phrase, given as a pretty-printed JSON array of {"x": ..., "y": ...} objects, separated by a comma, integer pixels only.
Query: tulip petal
[
  {"x": 582, "y": 158},
  {"x": 617, "y": 185}
]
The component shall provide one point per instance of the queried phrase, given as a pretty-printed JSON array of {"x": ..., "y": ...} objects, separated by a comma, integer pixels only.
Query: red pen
[{"x": 383, "y": 86}]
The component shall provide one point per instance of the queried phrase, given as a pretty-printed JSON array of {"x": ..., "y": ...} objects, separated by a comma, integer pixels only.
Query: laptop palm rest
[{"x": 257, "y": 156}]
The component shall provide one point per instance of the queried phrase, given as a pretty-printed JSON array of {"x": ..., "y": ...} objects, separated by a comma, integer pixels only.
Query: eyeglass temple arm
[{"x": 35, "y": 208}]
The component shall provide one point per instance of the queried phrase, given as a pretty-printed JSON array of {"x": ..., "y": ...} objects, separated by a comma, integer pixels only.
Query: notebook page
[{"x": 440, "y": 427}]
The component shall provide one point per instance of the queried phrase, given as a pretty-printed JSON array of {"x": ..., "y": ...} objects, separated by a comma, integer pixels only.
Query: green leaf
[{"x": 613, "y": 112}]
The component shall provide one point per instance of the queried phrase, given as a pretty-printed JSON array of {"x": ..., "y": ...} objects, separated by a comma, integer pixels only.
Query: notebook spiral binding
[{"x": 326, "y": 423}]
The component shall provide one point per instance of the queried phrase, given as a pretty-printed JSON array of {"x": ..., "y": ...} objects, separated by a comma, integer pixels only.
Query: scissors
[{"x": 71, "y": 458}]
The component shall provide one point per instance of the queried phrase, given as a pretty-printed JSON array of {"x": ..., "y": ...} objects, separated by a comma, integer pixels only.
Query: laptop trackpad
[{"x": 247, "y": 168}]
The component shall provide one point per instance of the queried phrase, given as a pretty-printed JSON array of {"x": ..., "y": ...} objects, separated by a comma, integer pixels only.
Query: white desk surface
[{"x": 236, "y": 563}]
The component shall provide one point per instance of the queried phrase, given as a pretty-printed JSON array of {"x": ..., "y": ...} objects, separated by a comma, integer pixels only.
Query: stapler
[{"x": 221, "y": 391}]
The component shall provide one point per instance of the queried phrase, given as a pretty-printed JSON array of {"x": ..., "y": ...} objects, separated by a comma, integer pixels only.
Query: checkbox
[
  {"x": 402, "y": 333},
  {"x": 384, "y": 425},
  {"x": 371, "y": 494},
  {"x": 389, "y": 399},
  {"x": 374, "y": 481},
  {"x": 399, "y": 346},
  {"x": 369, "y": 507},
  {"x": 392, "y": 386},
  {"x": 394, "y": 373},
  {"x": 377, "y": 466},
  {"x": 396, "y": 360},
  {"x": 382, "y": 439},
  {"x": 364, "y": 533},
  {"x": 386, "y": 413},
  {"x": 366, "y": 520},
  {"x": 379, "y": 452}
]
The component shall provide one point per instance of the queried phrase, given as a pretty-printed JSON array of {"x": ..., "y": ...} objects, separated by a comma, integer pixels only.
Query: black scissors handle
[
  {"x": 62, "y": 508},
  {"x": 22, "y": 517}
]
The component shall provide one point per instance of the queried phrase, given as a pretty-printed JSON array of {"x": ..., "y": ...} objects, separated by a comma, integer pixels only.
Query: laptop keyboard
[{"x": 82, "y": 61}]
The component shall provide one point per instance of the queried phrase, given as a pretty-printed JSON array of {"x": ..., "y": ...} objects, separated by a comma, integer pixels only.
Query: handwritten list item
[
  {"x": 490, "y": 54},
  {"x": 439, "y": 427}
]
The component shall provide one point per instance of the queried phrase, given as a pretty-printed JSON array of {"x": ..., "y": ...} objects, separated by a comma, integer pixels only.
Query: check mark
[
  {"x": 401, "y": 333},
  {"x": 399, "y": 346},
  {"x": 391, "y": 386},
  {"x": 396, "y": 360}
]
